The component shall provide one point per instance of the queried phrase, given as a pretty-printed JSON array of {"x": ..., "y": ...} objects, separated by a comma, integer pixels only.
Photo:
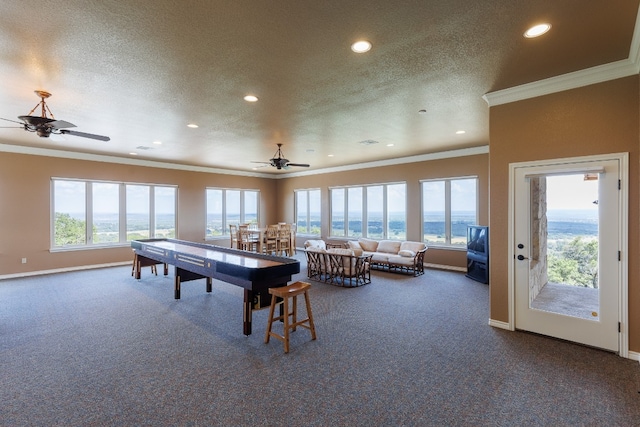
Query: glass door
[{"x": 567, "y": 247}]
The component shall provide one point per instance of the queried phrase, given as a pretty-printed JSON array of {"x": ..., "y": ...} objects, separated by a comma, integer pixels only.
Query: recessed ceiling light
[
  {"x": 537, "y": 30},
  {"x": 422, "y": 111},
  {"x": 134, "y": 154},
  {"x": 251, "y": 98},
  {"x": 361, "y": 46},
  {"x": 460, "y": 132},
  {"x": 157, "y": 142},
  {"x": 330, "y": 155},
  {"x": 389, "y": 145},
  {"x": 192, "y": 125}
]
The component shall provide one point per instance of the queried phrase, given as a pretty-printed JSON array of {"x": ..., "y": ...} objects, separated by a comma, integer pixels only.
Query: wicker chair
[
  {"x": 316, "y": 265},
  {"x": 347, "y": 269}
]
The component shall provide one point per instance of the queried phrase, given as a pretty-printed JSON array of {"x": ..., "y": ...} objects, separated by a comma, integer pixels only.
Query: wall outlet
[{"x": 24, "y": 260}]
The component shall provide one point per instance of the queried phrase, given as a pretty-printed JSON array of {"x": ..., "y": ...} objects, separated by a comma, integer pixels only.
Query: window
[
  {"x": 106, "y": 212},
  {"x": 337, "y": 211},
  {"x": 448, "y": 207},
  {"x": 230, "y": 207},
  {"x": 396, "y": 215},
  {"x": 308, "y": 209},
  {"x": 375, "y": 208},
  {"x": 138, "y": 221},
  {"x": 380, "y": 208},
  {"x": 165, "y": 212},
  {"x": 354, "y": 211},
  {"x": 96, "y": 213},
  {"x": 69, "y": 213}
]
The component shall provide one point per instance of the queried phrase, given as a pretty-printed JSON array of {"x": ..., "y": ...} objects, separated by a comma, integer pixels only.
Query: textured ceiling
[{"x": 139, "y": 71}]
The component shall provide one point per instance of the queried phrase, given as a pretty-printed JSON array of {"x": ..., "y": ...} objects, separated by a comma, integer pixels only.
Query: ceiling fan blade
[
  {"x": 266, "y": 163},
  {"x": 84, "y": 135},
  {"x": 302, "y": 165},
  {"x": 59, "y": 124},
  {"x": 12, "y": 121}
]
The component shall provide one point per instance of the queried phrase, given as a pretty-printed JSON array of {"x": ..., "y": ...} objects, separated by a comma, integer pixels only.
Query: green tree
[
  {"x": 68, "y": 230},
  {"x": 575, "y": 263}
]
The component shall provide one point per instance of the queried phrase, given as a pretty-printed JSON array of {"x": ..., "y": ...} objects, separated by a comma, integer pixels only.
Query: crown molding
[
  {"x": 46, "y": 152},
  {"x": 598, "y": 74},
  {"x": 463, "y": 152},
  {"x": 634, "y": 50}
]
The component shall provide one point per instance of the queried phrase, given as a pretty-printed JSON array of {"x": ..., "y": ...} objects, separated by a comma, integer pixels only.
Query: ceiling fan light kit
[
  {"x": 44, "y": 126},
  {"x": 279, "y": 162}
]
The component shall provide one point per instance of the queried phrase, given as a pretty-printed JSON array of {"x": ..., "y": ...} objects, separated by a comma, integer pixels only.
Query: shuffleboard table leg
[
  {"x": 138, "y": 274},
  {"x": 176, "y": 292},
  {"x": 247, "y": 312},
  {"x": 209, "y": 284}
]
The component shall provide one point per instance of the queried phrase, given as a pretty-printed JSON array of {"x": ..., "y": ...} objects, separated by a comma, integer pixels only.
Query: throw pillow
[
  {"x": 354, "y": 244},
  {"x": 368, "y": 244},
  {"x": 407, "y": 253}
]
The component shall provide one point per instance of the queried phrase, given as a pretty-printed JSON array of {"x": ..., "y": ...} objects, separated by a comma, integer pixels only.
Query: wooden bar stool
[{"x": 283, "y": 294}]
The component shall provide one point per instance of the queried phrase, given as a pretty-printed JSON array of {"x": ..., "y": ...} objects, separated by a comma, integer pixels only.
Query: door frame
[{"x": 623, "y": 265}]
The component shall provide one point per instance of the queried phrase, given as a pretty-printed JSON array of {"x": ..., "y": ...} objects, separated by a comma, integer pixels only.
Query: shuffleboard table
[{"x": 256, "y": 273}]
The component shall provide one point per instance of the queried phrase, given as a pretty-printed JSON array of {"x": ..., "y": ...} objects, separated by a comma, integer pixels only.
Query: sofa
[
  {"x": 335, "y": 265},
  {"x": 392, "y": 255}
]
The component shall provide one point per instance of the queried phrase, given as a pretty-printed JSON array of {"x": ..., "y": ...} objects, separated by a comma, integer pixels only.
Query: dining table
[{"x": 260, "y": 233}]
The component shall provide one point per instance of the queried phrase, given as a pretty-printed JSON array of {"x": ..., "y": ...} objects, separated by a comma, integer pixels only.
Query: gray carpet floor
[{"x": 99, "y": 348}]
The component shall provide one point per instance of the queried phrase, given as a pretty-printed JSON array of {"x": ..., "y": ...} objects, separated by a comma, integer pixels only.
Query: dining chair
[
  {"x": 284, "y": 239},
  {"x": 233, "y": 233},
  {"x": 247, "y": 240},
  {"x": 271, "y": 240},
  {"x": 294, "y": 229}
]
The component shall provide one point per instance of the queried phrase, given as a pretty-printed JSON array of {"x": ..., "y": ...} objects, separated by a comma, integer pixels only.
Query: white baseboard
[
  {"x": 634, "y": 355},
  {"x": 499, "y": 324},
  {"x": 63, "y": 270}
]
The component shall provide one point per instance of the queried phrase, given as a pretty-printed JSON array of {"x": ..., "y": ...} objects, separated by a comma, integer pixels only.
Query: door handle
[{"x": 522, "y": 257}]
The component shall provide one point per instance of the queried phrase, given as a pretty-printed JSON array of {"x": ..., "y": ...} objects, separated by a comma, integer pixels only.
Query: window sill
[
  {"x": 447, "y": 248},
  {"x": 89, "y": 247}
]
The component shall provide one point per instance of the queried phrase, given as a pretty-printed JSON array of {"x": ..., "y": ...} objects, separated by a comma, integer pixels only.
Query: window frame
[
  {"x": 122, "y": 213},
  {"x": 447, "y": 211},
  {"x": 225, "y": 220},
  {"x": 308, "y": 210},
  {"x": 365, "y": 214}
]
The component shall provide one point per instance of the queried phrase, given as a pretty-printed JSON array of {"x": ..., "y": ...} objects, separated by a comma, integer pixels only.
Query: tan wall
[
  {"x": 598, "y": 119},
  {"x": 410, "y": 173},
  {"x": 25, "y": 183}
]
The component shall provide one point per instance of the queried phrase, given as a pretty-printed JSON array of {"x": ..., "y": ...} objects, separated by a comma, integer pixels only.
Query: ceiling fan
[
  {"x": 44, "y": 126},
  {"x": 279, "y": 162}
]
